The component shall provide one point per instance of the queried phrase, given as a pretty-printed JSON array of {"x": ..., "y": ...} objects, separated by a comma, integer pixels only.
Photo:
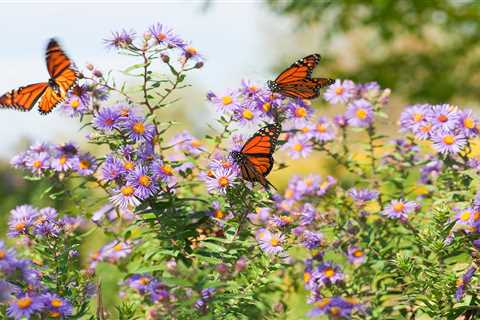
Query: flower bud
[
  {"x": 165, "y": 58},
  {"x": 147, "y": 36},
  {"x": 90, "y": 66},
  {"x": 198, "y": 65},
  {"x": 241, "y": 264},
  {"x": 97, "y": 73}
]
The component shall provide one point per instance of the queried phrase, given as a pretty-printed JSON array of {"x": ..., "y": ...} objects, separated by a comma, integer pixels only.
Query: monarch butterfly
[
  {"x": 255, "y": 158},
  {"x": 297, "y": 82},
  {"x": 62, "y": 78}
]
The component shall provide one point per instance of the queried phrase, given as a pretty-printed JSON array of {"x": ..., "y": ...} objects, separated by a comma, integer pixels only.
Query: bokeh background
[{"x": 425, "y": 51}]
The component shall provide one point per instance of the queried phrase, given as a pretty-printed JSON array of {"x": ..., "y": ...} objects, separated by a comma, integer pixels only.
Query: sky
[{"x": 234, "y": 36}]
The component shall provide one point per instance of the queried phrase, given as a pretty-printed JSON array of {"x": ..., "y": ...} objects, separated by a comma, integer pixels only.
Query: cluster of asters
[
  {"x": 113, "y": 253},
  {"x": 447, "y": 127},
  {"x": 45, "y": 158},
  {"x": 149, "y": 287},
  {"x": 158, "y": 38},
  {"x": 22, "y": 287}
]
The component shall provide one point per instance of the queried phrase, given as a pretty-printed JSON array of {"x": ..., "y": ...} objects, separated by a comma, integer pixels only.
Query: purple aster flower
[
  {"x": 413, "y": 116},
  {"x": 326, "y": 185},
  {"x": 220, "y": 180},
  {"x": 308, "y": 214},
  {"x": 56, "y": 306},
  {"x": 207, "y": 294},
  {"x": 115, "y": 251},
  {"x": 246, "y": 114},
  {"x": 20, "y": 160},
  {"x": 143, "y": 183},
  {"x": 227, "y": 102},
  {"x": 124, "y": 197},
  {"x": 463, "y": 282},
  {"x": 448, "y": 141},
  {"x": 107, "y": 119},
  {"x": 112, "y": 168},
  {"x": 444, "y": 117},
  {"x": 164, "y": 35},
  {"x": 21, "y": 219},
  {"x": 323, "y": 130},
  {"x": 7, "y": 290},
  {"x": 340, "y": 92},
  {"x": 467, "y": 219},
  {"x": 312, "y": 240},
  {"x": 356, "y": 255},
  {"x": 430, "y": 170},
  {"x": 120, "y": 40},
  {"x": 185, "y": 142},
  {"x": 64, "y": 158},
  {"x": 7, "y": 258},
  {"x": 298, "y": 147},
  {"x": 41, "y": 147},
  {"x": 336, "y": 307},
  {"x": 24, "y": 306},
  {"x": 77, "y": 101},
  {"x": 139, "y": 282},
  {"x": 159, "y": 292},
  {"x": 423, "y": 130},
  {"x": 340, "y": 121},
  {"x": 282, "y": 220},
  {"x": 100, "y": 94},
  {"x": 261, "y": 215},
  {"x": 369, "y": 90},
  {"x": 138, "y": 130},
  {"x": 191, "y": 53},
  {"x": 328, "y": 273},
  {"x": 165, "y": 172},
  {"x": 362, "y": 195},
  {"x": 250, "y": 88},
  {"x": 270, "y": 243},
  {"x": 359, "y": 113},
  {"x": 38, "y": 162},
  {"x": 400, "y": 209},
  {"x": 469, "y": 123},
  {"x": 85, "y": 164},
  {"x": 46, "y": 223},
  {"x": 298, "y": 113}
]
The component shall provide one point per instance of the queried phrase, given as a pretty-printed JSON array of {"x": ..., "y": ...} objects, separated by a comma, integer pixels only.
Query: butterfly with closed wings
[
  {"x": 297, "y": 82},
  {"x": 255, "y": 158},
  {"x": 63, "y": 77}
]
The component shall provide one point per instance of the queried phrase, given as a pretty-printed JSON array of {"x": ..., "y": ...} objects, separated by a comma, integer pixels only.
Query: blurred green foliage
[{"x": 424, "y": 50}]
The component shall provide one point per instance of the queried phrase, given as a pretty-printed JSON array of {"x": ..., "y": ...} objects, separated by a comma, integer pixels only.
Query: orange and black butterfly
[
  {"x": 297, "y": 81},
  {"x": 63, "y": 77},
  {"x": 255, "y": 158}
]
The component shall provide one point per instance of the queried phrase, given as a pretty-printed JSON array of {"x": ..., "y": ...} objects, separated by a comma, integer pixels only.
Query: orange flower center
[
  {"x": 468, "y": 123},
  {"x": 84, "y": 164},
  {"x": 144, "y": 280},
  {"x": 398, "y": 207},
  {"x": 442, "y": 118},
  {"x": 322, "y": 303},
  {"x": 210, "y": 174},
  {"x": 37, "y": 164},
  {"x": 297, "y": 147},
  {"x": 192, "y": 51},
  {"x": 227, "y": 100},
  {"x": 266, "y": 106},
  {"x": 358, "y": 253},
  {"x": 417, "y": 117},
  {"x": 253, "y": 89},
  {"x": 54, "y": 314},
  {"x": 339, "y": 90},
  {"x": 335, "y": 311},
  {"x": 129, "y": 165},
  {"x": 56, "y": 303},
  {"x": 247, "y": 114},
  {"x": 139, "y": 128},
  {"x": 321, "y": 128},
  {"x": 300, "y": 112},
  {"x": 223, "y": 181},
  {"x": 329, "y": 272},
  {"x": 426, "y": 128},
  {"x": 145, "y": 181},
  {"x": 195, "y": 143},
  {"x": 63, "y": 159},
  {"x": 219, "y": 214},
  {"x": 168, "y": 170},
  {"x": 361, "y": 113},
  {"x": 449, "y": 139},
  {"x": 24, "y": 302},
  {"x": 274, "y": 242},
  {"x": 2, "y": 254},
  {"x": 20, "y": 226},
  {"x": 127, "y": 191},
  {"x": 307, "y": 276},
  {"x": 161, "y": 36}
]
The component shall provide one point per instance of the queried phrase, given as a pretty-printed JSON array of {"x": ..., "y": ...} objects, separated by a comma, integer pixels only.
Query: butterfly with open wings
[
  {"x": 297, "y": 82},
  {"x": 255, "y": 158},
  {"x": 63, "y": 77}
]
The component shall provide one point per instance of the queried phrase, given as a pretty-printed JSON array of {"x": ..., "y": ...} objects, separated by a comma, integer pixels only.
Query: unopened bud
[
  {"x": 165, "y": 58},
  {"x": 199, "y": 64},
  {"x": 147, "y": 36},
  {"x": 97, "y": 73},
  {"x": 90, "y": 66}
]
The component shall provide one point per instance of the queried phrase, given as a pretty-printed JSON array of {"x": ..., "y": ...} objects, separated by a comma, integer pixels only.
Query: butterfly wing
[
  {"x": 63, "y": 75},
  {"x": 306, "y": 88},
  {"x": 301, "y": 69},
  {"x": 23, "y": 98}
]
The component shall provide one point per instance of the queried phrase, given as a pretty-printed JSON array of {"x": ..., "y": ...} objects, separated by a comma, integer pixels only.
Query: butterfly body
[
  {"x": 297, "y": 82},
  {"x": 63, "y": 78},
  {"x": 255, "y": 158}
]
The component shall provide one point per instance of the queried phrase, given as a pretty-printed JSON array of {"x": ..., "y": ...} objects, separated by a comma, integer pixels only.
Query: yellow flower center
[
  {"x": 196, "y": 143},
  {"x": 192, "y": 51},
  {"x": 84, "y": 164},
  {"x": 54, "y": 314},
  {"x": 223, "y": 181},
  {"x": 305, "y": 129},
  {"x": 24, "y": 302},
  {"x": 227, "y": 100},
  {"x": 398, "y": 207},
  {"x": 329, "y": 272},
  {"x": 417, "y": 117},
  {"x": 289, "y": 193},
  {"x": 307, "y": 276},
  {"x": 468, "y": 123},
  {"x": 426, "y": 128},
  {"x": 127, "y": 191},
  {"x": 442, "y": 118},
  {"x": 118, "y": 247},
  {"x": 247, "y": 114},
  {"x": 322, "y": 303},
  {"x": 145, "y": 181},
  {"x": 465, "y": 215},
  {"x": 321, "y": 128},
  {"x": 62, "y": 159},
  {"x": 266, "y": 106},
  {"x": 56, "y": 303},
  {"x": 274, "y": 242},
  {"x": 476, "y": 215},
  {"x": 167, "y": 169},
  {"x": 139, "y": 128},
  {"x": 37, "y": 164},
  {"x": 358, "y": 253},
  {"x": 335, "y": 311},
  {"x": 339, "y": 90},
  {"x": 2, "y": 254},
  {"x": 20, "y": 226},
  {"x": 227, "y": 164},
  {"x": 308, "y": 182},
  {"x": 210, "y": 174},
  {"x": 297, "y": 147},
  {"x": 361, "y": 113},
  {"x": 300, "y": 112},
  {"x": 144, "y": 280},
  {"x": 253, "y": 89},
  {"x": 219, "y": 214},
  {"x": 74, "y": 104},
  {"x": 286, "y": 219},
  {"x": 449, "y": 139},
  {"x": 459, "y": 282},
  {"x": 129, "y": 165}
]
